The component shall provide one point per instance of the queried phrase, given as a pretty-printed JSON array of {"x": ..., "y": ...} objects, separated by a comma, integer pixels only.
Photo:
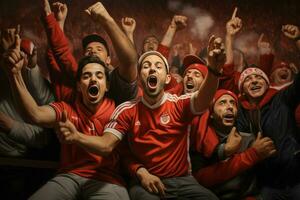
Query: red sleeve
[
  {"x": 226, "y": 170},
  {"x": 61, "y": 62},
  {"x": 229, "y": 79},
  {"x": 266, "y": 63},
  {"x": 59, "y": 107},
  {"x": 120, "y": 121},
  {"x": 203, "y": 138},
  {"x": 165, "y": 51}
]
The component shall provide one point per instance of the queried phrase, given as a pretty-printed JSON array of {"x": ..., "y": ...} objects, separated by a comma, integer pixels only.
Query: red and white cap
[
  {"x": 249, "y": 71},
  {"x": 148, "y": 53},
  {"x": 194, "y": 62}
]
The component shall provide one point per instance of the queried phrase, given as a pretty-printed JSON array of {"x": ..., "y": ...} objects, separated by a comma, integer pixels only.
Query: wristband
[{"x": 214, "y": 72}]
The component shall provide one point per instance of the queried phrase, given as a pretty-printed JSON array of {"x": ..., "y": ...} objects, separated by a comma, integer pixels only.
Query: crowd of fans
[{"x": 139, "y": 111}]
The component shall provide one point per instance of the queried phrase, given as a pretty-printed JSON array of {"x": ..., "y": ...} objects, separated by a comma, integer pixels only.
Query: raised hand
[
  {"x": 46, "y": 7},
  {"x": 263, "y": 47},
  {"x": 151, "y": 183},
  {"x": 233, "y": 142},
  {"x": 216, "y": 54},
  {"x": 290, "y": 31},
  {"x": 66, "y": 130},
  {"x": 128, "y": 24},
  {"x": 234, "y": 24},
  {"x": 179, "y": 22},
  {"x": 98, "y": 12},
  {"x": 60, "y": 12},
  {"x": 8, "y": 37},
  {"x": 15, "y": 58},
  {"x": 264, "y": 146},
  {"x": 192, "y": 49}
]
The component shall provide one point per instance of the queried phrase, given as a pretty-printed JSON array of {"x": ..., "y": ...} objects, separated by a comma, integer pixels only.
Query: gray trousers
[
  {"x": 180, "y": 188},
  {"x": 71, "y": 186}
]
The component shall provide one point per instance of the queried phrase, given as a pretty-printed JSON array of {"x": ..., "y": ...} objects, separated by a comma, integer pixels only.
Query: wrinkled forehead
[{"x": 226, "y": 97}]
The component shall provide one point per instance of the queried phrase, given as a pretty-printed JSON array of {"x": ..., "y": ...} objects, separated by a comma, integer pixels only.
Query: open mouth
[
  {"x": 229, "y": 117},
  {"x": 152, "y": 82},
  {"x": 255, "y": 88},
  {"x": 283, "y": 75},
  {"x": 189, "y": 85},
  {"x": 93, "y": 90}
]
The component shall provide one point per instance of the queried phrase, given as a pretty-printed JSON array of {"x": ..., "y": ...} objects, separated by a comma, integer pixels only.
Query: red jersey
[
  {"x": 75, "y": 159},
  {"x": 157, "y": 134}
]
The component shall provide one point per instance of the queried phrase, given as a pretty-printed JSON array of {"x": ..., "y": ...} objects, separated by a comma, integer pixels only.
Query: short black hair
[
  {"x": 94, "y": 38},
  {"x": 91, "y": 59}
]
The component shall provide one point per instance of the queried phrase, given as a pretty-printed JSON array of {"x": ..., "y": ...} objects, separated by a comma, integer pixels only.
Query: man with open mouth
[
  {"x": 155, "y": 127},
  {"x": 63, "y": 65},
  {"x": 98, "y": 175},
  {"x": 282, "y": 75},
  {"x": 222, "y": 157},
  {"x": 271, "y": 112},
  {"x": 83, "y": 174}
]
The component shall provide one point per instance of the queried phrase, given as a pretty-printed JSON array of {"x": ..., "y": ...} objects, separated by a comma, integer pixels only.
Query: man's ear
[
  {"x": 168, "y": 79},
  {"x": 108, "y": 60}
]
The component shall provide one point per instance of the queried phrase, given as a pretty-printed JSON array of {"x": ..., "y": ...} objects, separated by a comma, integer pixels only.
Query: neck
[
  {"x": 93, "y": 108},
  {"x": 151, "y": 100}
]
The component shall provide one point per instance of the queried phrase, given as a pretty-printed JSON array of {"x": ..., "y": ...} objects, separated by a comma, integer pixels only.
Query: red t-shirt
[
  {"x": 75, "y": 159},
  {"x": 157, "y": 134}
]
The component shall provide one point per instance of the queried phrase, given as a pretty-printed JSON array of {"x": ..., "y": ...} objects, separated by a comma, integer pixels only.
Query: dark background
[{"x": 153, "y": 17}]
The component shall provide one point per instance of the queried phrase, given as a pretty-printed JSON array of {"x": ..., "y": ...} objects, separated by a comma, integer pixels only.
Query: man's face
[
  {"x": 153, "y": 75},
  {"x": 282, "y": 75},
  {"x": 150, "y": 44},
  {"x": 255, "y": 86},
  {"x": 99, "y": 50},
  {"x": 225, "y": 111},
  {"x": 192, "y": 80},
  {"x": 92, "y": 83}
]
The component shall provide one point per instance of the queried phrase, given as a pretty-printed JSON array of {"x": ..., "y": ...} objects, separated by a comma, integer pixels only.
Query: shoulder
[{"x": 126, "y": 107}]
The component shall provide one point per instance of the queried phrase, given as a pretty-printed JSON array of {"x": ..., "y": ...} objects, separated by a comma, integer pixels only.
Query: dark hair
[
  {"x": 91, "y": 59},
  {"x": 94, "y": 38}
]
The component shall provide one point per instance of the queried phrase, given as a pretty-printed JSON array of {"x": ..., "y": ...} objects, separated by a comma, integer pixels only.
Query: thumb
[
  {"x": 88, "y": 11},
  {"x": 232, "y": 132},
  {"x": 259, "y": 136},
  {"x": 64, "y": 116}
]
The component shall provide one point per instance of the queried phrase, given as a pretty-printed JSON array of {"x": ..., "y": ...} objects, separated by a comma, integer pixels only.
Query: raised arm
[
  {"x": 216, "y": 60},
  {"x": 41, "y": 115},
  {"x": 292, "y": 32},
  {"x": 233, "y": 26},
  {"x": 178, "y": 22},
  {"x": 128, "y": 25},
  {"x": 266, "y": 56},
  {"x": 125, "y": 50}
]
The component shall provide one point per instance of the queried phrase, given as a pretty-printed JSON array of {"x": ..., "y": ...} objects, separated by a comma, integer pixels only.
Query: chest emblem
[{"x": 164, "y": 118}]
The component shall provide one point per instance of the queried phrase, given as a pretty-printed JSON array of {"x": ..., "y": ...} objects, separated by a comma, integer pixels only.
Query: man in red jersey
[
  {"x": 81, "y": 174},
  {"x": 155, "y": 126}
]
